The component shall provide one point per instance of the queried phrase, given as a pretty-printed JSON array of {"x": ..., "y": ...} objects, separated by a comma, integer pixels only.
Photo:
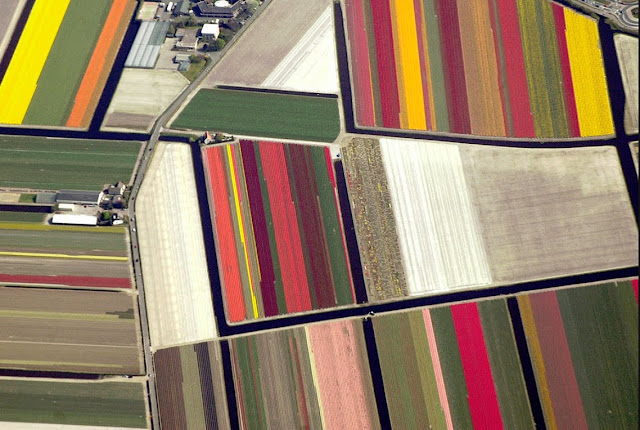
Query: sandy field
[
  {"x": 551, "y": 212},
  {"x": 627, "y": 49},
  {"x": 69, "y": 330},
  {"x": 266, "y": 42},
  {"x": 9, "y": 197},
  {"x": 172, "y": 253},
  {"x": 440, "y": 239},
  {"x": 145, "y": 94},
  {"x": 8, "y": 20},
  {"x": 311, "y": 65}
]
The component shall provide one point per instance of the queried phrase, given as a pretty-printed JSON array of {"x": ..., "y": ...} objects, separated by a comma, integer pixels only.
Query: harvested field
[
  {"x": 548, "y": 213},
  {"x": 279, "y": 236},
  {"x": 583, "y": 343},
  {"x": 627, "y": 50},
  {"x": 266, "y": 42},
  {"x": 95, "y": 404},
  {"x": 252, "y": 113},
  {"x": 513, "y": 215},
  {"x": 128, "y": 121},
  {"x": 69, "y": 330},
  {"x": 191, "y": 391},
  {"x": 175, "y": 271},
  {"x": 453, "y": 367},
  {"x": 513, "y": 68},
  {"x": 145, "y": 94},
  {"x": 8, "y": 21},
  {"x": 54, "y": 164},
  {"x": 311, "y": 65}
]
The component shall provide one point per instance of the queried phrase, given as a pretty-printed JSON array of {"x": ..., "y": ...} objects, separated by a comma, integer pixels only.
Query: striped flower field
[
  {"x": 279, "y": 236},
  {"x": 583, "y": 344},
  {"x": 508, "y": 68},
  {"x": 455, "y": 367},
  {"x": 62, "y": 61}
]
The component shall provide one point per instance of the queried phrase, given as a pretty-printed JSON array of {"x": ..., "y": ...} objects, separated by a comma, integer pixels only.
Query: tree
[
  {"x": 252, "y": 6},
  {"x": 219, "y": 44}
]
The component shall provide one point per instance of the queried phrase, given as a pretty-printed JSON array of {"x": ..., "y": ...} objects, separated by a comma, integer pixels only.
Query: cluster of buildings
[{"x": 81, "y": 207}]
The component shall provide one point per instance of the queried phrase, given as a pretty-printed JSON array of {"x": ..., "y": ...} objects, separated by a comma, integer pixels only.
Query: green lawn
[
  {"x": 194, "y": 70},
  {"x": 55, "y": 164},
  {"x": 27, "y": 198},
  {"x": 258, "y": 114},
  {"x": 116, "y": 404},
  {"x": 67, "y": 61}
]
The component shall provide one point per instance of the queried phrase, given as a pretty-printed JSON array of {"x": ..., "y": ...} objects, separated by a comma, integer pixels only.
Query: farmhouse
[
  {"x": 79, "y": 197},
  {"x": 188, "y": 39},
  {"x": 220, "y": 9}
]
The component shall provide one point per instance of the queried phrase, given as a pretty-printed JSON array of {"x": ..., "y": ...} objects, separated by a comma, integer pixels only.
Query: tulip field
[
  {"x": 279, "y": 236},
  {"x": 456, "y": 367},
  {"x": 583, "y": 343},
  {"x": 62, "y": 61},
  {"x": 509, "y": 68},
  {"x": 560, "y": 357}
]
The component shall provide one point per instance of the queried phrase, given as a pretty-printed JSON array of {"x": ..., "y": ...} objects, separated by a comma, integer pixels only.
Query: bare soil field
[
  {"x": 551, "y": 212},
  {"x": 627, "y": 50},
  {"x": 142, "y": 95},
  {"x": 172, "y": 252},
  {"x": 8, "y": 19},
  {"x": 266, "y": 42},
  {"x": 69, "y": 330},
  {"x": 64, "y": 267},
  {"x": 311, "y": 65}
]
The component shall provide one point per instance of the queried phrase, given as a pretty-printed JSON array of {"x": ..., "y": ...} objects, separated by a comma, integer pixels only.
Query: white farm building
[{"x": 74, "y": 219}]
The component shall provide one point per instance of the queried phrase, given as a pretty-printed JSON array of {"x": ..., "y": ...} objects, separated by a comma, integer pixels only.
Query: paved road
[{"x": 135, "y": 187}]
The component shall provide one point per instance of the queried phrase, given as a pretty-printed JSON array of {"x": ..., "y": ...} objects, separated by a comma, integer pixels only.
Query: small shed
[
  {"x": 179, "y": 58},
  {"x": 183, "y": 66}
]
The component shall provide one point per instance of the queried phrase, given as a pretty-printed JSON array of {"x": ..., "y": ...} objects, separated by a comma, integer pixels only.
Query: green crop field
[
  {"x": 258, "y": 114},
  {"x": 22, "y": 217},
  {"x": 56, "y": 164},
  {"x": 116, "y": 404},
  {"x": 67, "y": 61},
  {"x": 61, "y": 240}
]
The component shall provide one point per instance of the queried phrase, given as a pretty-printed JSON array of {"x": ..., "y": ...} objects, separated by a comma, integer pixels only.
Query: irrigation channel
[{"x": 362, "y": 309}]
